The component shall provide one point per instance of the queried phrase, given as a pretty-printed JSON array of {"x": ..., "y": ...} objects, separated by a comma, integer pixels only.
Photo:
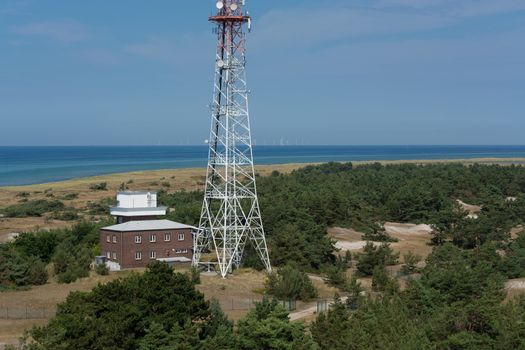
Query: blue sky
[{"x": 105, "y": 72}]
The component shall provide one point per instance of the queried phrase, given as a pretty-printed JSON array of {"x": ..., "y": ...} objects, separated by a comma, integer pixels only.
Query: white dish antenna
[
  {"x": 219, "y": 5},
  {"x": 234, "y": 7},
  {"x": 220, "y": 63}
]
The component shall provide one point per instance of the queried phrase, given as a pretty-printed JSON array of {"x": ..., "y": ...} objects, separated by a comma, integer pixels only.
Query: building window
[
  {"x": 108, "y": 254},
  {"x": 138, "y": 239},
  {"x": 114, "y": 256},
  {"x": 108, "y": 238},
  {"x": 181, "y": 236},
  {"x": 138, "y": 255},
  {"x": 114, "y": 239},
  {"x": 185, "y": 251},
  {"x": 178, "y": 251},
  {"x": 153, "y": 254},
  {"x": 153, "y": 238},
  {"x": 167, "y": 237}
]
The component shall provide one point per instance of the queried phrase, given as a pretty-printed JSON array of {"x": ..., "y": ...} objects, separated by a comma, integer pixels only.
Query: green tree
[
  {"x": 410, "y": 263},
  {"x": 373, "y": 256},
  {"x": 268, "y": 327},
  {"x": 116, "y": 315},
  {"x": 290, "y": 283}
]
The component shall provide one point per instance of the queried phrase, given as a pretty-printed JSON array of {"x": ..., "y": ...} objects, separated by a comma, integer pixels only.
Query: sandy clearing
[
  {"x": 473, "y": 210},
  {"x": 515, "y": 284},
  {"x": 516, "y": 231},
  {"x": 393, "y": 228},
  {"x": 344, "y": 245},
  {"x": 411, "y": 237},
  {"x": 515, "y": 287}
]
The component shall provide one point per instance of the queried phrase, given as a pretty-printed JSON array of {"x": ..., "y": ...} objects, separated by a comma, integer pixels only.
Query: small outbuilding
[{"x": 142, "y": 236}]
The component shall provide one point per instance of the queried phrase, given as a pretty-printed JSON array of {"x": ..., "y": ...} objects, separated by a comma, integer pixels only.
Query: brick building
[{"x": 140, "y": 237}]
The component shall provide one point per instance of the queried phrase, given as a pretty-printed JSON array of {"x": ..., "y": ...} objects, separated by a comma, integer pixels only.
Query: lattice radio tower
[{"x": 230, "y": 211}]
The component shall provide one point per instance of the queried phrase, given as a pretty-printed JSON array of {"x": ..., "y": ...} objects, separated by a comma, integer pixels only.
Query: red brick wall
[{"x": 125, "y": 246}]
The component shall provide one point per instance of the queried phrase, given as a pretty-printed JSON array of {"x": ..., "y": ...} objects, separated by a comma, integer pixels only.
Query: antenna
[{"x": 230, "y": 214}]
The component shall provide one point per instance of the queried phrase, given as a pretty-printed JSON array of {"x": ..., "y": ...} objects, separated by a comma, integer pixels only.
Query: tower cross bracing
[{"x": 230, "y": 215}]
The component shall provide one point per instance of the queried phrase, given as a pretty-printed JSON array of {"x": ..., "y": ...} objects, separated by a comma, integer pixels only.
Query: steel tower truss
[{"x": 230, "y": 211}]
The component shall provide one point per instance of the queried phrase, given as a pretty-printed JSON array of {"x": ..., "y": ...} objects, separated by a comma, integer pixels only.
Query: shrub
[
  {"x": 37, "y": 271},
  {"x": 377, "y": 233},
  {"x": 72, "y": 274},
  {"x": 336, "y": 274},
  {"x": 373, "y": 256},
  {"x": 71, "y": 262},
  {"x": 102, "y": 269},
  {"x": 166, "y": 184},
  {"x": 69, "y": 214},
  {"x": 103, "y": 186},
  {"x": 354, "y": 290},
  {"x": 101, "y": 207},
  {"x": 379, "y": 278},
  {"x": 410, "y": 266},
  {"x": 69, "y": 196},
  {"x": 23, "y": 194},
  {"x": 290, "y": 283},
  {"x": 195, "y": 275},
  {"x": 33, "y": 208},
  {"x": 18, "y": 270}
]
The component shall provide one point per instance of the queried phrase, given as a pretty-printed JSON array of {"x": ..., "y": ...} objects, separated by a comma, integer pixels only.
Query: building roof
[
  {"x": 175, "y": 259},
  {"x": 148, "y": 225},
  {"x": 145, "y": 211},
  {"x": 131, "y": 193}
]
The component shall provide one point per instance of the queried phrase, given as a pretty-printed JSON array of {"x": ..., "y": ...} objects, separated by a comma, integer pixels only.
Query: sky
[{"x": 370, "y": 72}]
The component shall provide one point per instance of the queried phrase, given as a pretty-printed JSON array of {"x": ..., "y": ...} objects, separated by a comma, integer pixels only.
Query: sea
[{"x": 34, "y": 165}]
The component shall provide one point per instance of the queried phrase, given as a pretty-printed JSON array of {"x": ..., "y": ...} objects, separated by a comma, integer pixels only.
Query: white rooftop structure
[
  {"x": 137, "y": 203},
  {"x": 147, "y": 225}
]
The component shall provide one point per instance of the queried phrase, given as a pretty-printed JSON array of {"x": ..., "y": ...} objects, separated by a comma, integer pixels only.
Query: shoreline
[{"x": 285, "y": 167}]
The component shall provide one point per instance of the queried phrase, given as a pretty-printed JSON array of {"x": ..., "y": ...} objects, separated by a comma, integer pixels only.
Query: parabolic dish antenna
[
  {"x": 219, "y": 5},
  {"x": 233, "y": 7},
  {"x": 220, "y": 63}
]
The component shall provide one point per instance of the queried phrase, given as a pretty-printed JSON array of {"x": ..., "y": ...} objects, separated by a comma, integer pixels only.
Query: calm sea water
[{"x": 31, "y": 165}]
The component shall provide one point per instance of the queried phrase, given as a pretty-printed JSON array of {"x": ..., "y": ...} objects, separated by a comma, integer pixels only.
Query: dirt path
[{"x": 310, "y": 310}]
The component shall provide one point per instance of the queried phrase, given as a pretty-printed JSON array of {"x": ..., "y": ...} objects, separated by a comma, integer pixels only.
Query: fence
[
  {"x": 29, "y": 312},
  {"x": 26, "y": 312},
  {"x": 248, "y": 304}
]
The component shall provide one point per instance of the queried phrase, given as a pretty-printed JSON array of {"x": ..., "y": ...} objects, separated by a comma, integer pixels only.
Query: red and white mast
[{"x": 230, "y": 213}]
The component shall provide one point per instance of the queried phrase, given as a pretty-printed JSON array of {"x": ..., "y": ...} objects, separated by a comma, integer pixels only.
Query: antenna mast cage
[{"x": 230, "y": 213}]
